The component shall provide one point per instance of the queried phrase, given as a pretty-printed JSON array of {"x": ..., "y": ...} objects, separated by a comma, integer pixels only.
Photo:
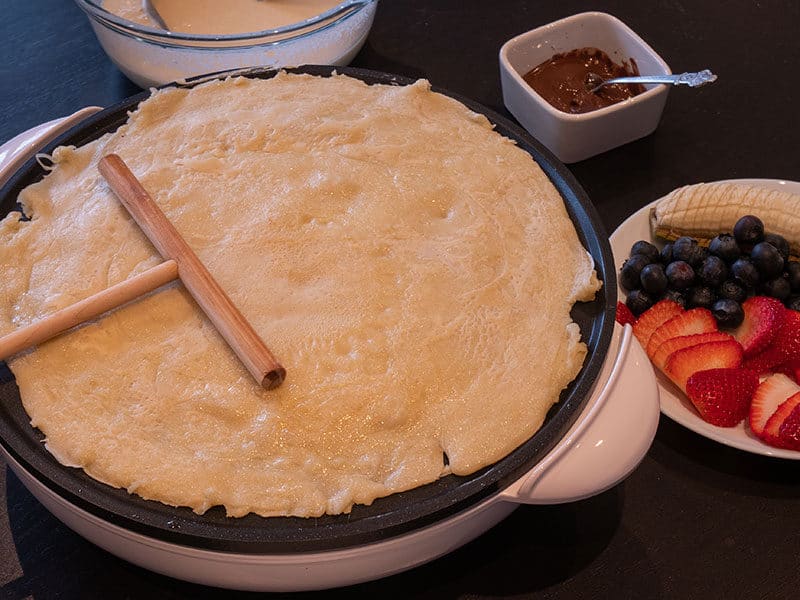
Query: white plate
[{"x": 674, "y": 403}]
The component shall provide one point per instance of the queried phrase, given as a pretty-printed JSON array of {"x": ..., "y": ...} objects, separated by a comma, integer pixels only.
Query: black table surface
[{"x": 696, "y": 519}]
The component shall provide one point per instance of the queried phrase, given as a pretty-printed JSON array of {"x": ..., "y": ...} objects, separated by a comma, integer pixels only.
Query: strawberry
[
  {"x": 765, "y": 362},
  {"x": 722, "y": 396},
  {"x": 790, "y": 368},
  {"x": 624, "y": 314},
  {"x": 787, "y": 337},
  {"x": 653, "y": 318},
  {"x": 683, "y": 363},
  {"x": 784, "y": 347},
  {"x": 775, "y": 422},
  {"x": 789, "y": 432},
  {"x": 770, "y": 394},
  {"x": 762, "y": 318},
  {"x": 661, "y": 354},
  {"x": 690, "y": 322}
]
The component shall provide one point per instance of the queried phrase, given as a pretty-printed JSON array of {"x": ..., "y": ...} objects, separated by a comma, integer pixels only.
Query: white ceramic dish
[
  {"x": 151, "y": 57},
  {"x": 574, "y": 137},
  {"x": 674, "y": 403}
]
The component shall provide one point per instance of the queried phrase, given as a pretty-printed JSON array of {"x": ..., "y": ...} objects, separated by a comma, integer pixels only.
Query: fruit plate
[{"x": 674, "y": 403}]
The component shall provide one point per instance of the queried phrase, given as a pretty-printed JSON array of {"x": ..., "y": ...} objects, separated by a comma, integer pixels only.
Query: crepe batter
[
  {"x": 412, "y": 269},
  {"x": 216, "y": 17}
]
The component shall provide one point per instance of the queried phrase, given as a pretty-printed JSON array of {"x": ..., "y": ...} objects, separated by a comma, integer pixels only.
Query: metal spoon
[{"x": 594, "y": 82}]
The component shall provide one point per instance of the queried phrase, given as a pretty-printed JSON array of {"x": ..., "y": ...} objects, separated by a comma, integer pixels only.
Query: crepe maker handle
[
  {"x": 22, "y": 147},
  {"x": 610, "y": 438}
]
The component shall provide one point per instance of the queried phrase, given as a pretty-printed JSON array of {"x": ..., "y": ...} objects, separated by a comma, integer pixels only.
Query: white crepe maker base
[{"x": 607, "y": 441}]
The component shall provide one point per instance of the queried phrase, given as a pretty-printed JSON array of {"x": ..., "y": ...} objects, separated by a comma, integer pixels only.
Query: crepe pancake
[{"x": 412, "y": 269}]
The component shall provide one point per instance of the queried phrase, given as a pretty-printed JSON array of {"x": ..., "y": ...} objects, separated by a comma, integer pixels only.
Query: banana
[{"x": 705, "y": 210}]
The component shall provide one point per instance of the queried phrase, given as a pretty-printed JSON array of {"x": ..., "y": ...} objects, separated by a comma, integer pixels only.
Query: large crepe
[{"x": 412, "y": 269}]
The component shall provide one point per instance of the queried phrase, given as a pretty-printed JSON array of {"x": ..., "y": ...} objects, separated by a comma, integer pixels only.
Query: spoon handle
[{"x": 691, "y": 79}]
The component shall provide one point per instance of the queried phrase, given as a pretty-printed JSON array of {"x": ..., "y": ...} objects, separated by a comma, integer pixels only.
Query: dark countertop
[{"x": 696, "y": 519}]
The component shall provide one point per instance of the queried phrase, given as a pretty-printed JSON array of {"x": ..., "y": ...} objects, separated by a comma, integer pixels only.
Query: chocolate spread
[{"x": 561, "y": 80}]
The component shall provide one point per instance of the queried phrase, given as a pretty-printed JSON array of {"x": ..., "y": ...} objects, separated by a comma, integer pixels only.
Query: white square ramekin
[{"x": 575, "y": 137}]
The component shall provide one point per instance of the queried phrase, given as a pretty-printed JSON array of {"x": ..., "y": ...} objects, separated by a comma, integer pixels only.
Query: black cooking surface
[{"x": 386, "y": 517}]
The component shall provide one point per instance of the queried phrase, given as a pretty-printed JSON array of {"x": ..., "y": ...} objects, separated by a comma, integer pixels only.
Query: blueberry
[
  {"x": 748, "y": 230},
  {"x": 731, "y": 290},
  {"x": 675, "y": 296},
  {"x": 701, "y": 297},
  {"x": 767, "y": 259},
  {"x": 793, "y": 273},
  {"x": 728, "y": 313},
  {"x": 639, "y": 301},
  {"x": 680, "y": 274},
  {"x": 777, "y": 288},
  {"x": 666, "y": 253},
  {"x": 725, "y": 246},
  {"x": 646, "y": 249},
  {"x": 793, "y": 303},
  {"x": 713, "y": 271},
  {"x": 699, "y": 254},
  {"x": 653, "y": 279},
  {"x": 779, "y": 242},
  {"x": 684, "y": 249},
  {"x": 745, "y": 273},
  {"x": 631, "y": 271}
]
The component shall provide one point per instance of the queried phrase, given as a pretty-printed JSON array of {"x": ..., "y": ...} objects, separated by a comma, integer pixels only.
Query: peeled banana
[{"x": 705, "y": 210}]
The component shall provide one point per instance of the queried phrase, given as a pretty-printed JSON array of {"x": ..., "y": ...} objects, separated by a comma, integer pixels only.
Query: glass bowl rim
[{"x": 332, "y": 16}]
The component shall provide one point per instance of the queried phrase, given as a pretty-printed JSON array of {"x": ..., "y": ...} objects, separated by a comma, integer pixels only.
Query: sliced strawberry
[
  {"x": 789, "y": 432},
  {"x": 685, "y": 362},
  {"x": 771, "y": 393},
  {"x": 690, "y": 322},
  {"x": 624, "y": 314},
  {"x": 771, "y": 431},
  {"x": 765, "y": 362},
  {"x": 762, "y": 318},
  {"x": 785, "y": 345},
  {"x": 661, "y": 354},
  {"x": 722, "y": 396},
  {"x": 790, "y": 368},
  {"x": 653, "y": 318},
  {"x": 787, "y": 337}
]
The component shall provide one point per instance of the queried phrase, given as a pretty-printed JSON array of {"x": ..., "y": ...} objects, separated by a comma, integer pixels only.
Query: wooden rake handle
[
  {"x": 216, "y": 304},
  {"x": 88, "y": 308}
]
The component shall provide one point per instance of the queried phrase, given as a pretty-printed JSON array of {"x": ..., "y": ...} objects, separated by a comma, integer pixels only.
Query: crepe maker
[{"x": 597, "y": 433}]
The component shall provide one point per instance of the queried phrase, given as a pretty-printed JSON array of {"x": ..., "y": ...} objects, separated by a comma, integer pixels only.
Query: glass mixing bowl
[{"x": 150, "y": 56}]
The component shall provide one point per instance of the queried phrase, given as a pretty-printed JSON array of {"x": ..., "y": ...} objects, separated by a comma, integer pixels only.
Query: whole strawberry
[{"x": 722, "y": 396}]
